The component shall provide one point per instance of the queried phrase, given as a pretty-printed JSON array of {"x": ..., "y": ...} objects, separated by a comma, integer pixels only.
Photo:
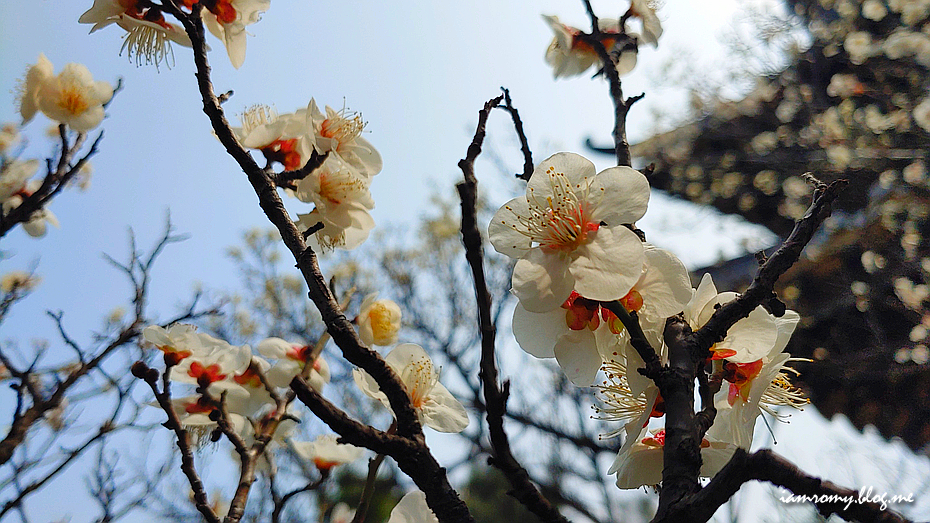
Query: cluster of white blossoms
[
  {"x": 570, "y": 54},
  {"x": 149, "y": 36},
  {"x": 339, "y": 188},
  {"x": 233, "y": 373},
  {"x": 572, "y": 239}
]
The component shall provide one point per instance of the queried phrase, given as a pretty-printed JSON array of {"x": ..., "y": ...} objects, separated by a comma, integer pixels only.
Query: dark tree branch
[
  {"x": 287, "y": 178},
  {"x": 163, "y": 397},
  {"x": 621, "y": 105},
  {"x": 762, "y": 288},
  {"x": 56, "y": 178},
  {"x": 765, "y": 465},
  {"x": 518, "y": 127},
  {"x": 495, "y": 398}
]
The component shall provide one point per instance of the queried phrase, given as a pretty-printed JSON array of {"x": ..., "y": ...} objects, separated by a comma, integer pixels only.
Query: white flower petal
[
  {"x": 502, "y": 231},
  {"x": 537, "y": 333},
  {"x": 412, "y": 508},
  {"x": 577, "y": 354},
  {"x": 542, "y": 281},
  {"x": 607, "y": 268},
  {"x": 442, "y": 412},
  {"x": 626, "y": 195}
]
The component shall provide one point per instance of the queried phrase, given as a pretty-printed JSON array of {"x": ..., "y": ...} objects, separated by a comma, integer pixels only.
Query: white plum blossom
[
  {"x": 750, "y": 388},
  {"x": 874, "y": 10},
  {"x": 36, "y": 225},
  {"x": 291, "y": 359},
  {"x": 194, "y": 414},
  {"x": 921, "y": 114},
  {"x": 227, "y": 20},
  {"x": 72, "y": 97},
  {"x": 378, "y": 321},
  {"x": 748, "y": 340},
  {"x": 283, "y": 138},
  {"x": 434, "y": 404},
  {"x": 568, "y": 232},
  {"x": 199, "y": 358},
  {"x": 325, "y": 452},
  {"x": 579, "y": 331},
  {"x": 858, "y": 46},
  {"x": 18, "y": 281},
  {"x": 569, "y": 55},
  {"x": 618, "y": 402},
  {"x": 652, "y": 27},
  {"x": 343, "y": 201},
  {"x": 14, "y": 177},
  {"x": 149, "y": 35},
  {"x": 641, "y": 463},
  {"x": 340, "y": 132},
  {"x": 412, "y": 508}
]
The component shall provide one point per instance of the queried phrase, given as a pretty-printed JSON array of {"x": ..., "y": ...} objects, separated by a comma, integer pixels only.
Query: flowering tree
[{"x": 592, "y": 293}]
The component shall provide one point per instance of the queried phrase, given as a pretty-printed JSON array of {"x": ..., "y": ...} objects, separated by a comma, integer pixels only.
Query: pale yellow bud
[{"x": 378, "y": 321}]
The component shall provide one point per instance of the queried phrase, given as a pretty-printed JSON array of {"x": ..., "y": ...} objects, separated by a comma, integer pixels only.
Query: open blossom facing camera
[
  {"x": 149, "y": 35},
  {"x": 434, "y": 404},
  {"x": 568, "y": 232},
  {"x": 340, "y": 132},
  {"x": 343, "y": 201},
  {"x": 72, "y": 97}
]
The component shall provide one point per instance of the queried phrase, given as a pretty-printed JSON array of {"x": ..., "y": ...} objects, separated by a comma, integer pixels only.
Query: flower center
[
  {"x": 740, "y": 376},
  {"x": 342, "y": 127},
  {"x": 72, "y": 100},
  {"x": 561, "y": 222},
  {"x": 581, "y": 312},
  {"x": 283, "y": 152},
  {"x": 149, "y": 44},
  {"x": 337, "y": 187},
  {"x": 419, "y": 377},
  {"x": 256, "y": 116},
  {"x": 205, "y": 375}
]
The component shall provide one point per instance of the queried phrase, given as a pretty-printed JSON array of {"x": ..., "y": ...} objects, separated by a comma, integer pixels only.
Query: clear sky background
[{"x": 417, "y": 71}]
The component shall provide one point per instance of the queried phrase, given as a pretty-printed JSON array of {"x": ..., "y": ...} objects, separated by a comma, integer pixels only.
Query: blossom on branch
[
  {"x": 750, "y": 388},
  {"x": 340, "y": 132},
  {"x": 748, "y": 340},
  {"x": 570, "y": 55},
  {"x": 378, "y": 321},
  {"x": 72, "y": 97},
  {"x": 641, "y": 463},
  {"x": 652, "y": 27},
  {"x": 568, "y": 232},
  {"x": 342, "y": 198},
  {"x": 434, "y": 404},
  {"x": 283, "y": 138},
  {"x": 227, "y": 19},
  {"x": 291, "y": 359},
  {"x": 325, "y": 452},
  {"x": 148, "y": 35}
]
